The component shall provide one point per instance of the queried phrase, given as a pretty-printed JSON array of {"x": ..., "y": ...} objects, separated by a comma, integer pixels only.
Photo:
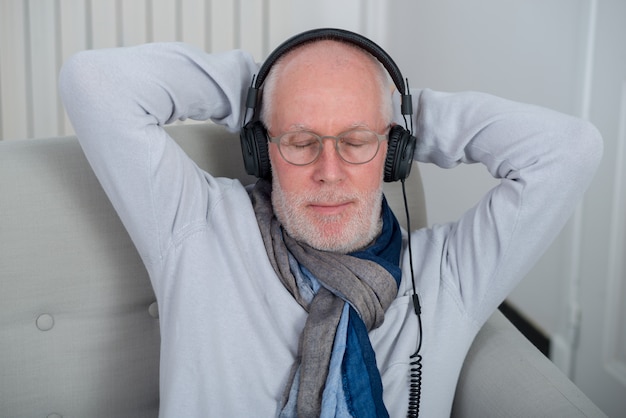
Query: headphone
[{"x": 253, "y": 135}]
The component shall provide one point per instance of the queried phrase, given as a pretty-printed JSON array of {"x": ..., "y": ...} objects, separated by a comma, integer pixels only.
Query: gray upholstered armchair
[{"x": 79, "y": 333}]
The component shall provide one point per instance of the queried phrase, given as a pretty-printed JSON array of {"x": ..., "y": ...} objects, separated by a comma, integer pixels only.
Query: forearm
[
  {"x": 167, "y": 82},
  {"x": 454, "y": 128}
]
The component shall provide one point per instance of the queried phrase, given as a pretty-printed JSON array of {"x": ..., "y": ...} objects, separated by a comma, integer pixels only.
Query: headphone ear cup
[
  {"x": 400, "y": 150},
  {"x": 254, "y": 149}
]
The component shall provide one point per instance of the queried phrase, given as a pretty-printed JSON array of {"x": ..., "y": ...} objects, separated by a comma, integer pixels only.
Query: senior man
[{"x": 294, "y": 297}]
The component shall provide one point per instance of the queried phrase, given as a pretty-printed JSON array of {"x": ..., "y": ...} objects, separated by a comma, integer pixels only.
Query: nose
[{"x": 329, "y": 167}]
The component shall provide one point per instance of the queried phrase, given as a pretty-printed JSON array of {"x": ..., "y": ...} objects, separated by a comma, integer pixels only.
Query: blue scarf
[{"x": 346, "y": 296}]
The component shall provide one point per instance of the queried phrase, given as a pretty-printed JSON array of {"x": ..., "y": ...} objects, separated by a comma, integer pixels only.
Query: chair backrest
[{"x": 79, "y": 331}]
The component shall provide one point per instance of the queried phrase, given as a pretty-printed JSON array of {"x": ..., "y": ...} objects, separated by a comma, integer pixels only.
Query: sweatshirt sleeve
[
  {"x": 544, "y": 160},
  {"x": 119, "y": 100}
]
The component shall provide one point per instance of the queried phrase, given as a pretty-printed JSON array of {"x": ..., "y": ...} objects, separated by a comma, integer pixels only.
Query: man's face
[{"x": 330, "y": 204}]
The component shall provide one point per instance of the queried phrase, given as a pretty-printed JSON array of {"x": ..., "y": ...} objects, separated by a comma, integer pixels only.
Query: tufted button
[
  {"x": 55, "y": 415},
  {"x": 153, "y": 310},
  {"x": 45, "y": 322}
]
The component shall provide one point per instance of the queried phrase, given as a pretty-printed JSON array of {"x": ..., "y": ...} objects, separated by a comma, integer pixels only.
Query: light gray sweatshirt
[{"x": 229, "y": 328}]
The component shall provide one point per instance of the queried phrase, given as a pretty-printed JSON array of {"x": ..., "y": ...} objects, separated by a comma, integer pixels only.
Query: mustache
[{"x": 326, "y": 197}]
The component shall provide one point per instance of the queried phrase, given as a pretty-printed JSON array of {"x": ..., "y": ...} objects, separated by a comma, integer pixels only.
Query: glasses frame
[{"x": 336, "y": 138}]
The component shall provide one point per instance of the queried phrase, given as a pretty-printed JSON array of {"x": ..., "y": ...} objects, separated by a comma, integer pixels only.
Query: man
[{"x": 262, "y": 312}]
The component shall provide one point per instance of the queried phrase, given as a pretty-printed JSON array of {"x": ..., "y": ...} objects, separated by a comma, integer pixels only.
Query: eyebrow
[{"x": 303, "y": 127}]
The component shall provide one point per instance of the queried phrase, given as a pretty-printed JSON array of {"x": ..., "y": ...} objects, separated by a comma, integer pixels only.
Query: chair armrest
[{"x": 504, "y": 375}]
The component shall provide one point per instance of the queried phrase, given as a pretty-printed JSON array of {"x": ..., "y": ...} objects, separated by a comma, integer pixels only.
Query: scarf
[{"x": 346, "y": 296}]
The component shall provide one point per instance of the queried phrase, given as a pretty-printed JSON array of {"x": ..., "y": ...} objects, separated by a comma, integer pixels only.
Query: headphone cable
[{"x": 415, "y": 375}]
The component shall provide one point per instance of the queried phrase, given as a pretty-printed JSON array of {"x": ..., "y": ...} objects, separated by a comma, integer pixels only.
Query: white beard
[{"x": 343, "y": 233}]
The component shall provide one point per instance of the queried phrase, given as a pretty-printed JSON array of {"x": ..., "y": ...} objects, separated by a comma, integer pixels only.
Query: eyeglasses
[{"x": 356, "y": 146}]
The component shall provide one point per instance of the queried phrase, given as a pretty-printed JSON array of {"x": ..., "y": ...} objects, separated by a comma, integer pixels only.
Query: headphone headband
[
  {"x": 341, "y": 35},
  {"x": 401, "y": 144}
]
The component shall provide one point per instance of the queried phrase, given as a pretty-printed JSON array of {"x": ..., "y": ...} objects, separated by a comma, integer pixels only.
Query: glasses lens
[
  {"x": 358, "y": 146},
  {"x": 299, "y": 148}
]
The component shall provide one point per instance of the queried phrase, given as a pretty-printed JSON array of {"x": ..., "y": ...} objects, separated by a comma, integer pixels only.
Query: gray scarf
[{"x": 367, "y": 286}]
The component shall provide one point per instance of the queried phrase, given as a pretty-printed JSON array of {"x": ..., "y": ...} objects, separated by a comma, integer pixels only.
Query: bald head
[{"x": 320, "y": 64}]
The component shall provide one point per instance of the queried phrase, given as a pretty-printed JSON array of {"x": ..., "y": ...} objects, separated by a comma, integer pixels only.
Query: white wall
[
  {"x": 532, "y": 51},
  {"x": 568, "y": 55}
]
